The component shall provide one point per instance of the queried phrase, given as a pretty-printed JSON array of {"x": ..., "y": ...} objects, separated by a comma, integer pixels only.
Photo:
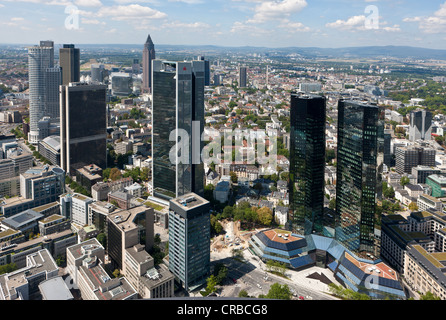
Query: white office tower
[{"x": 44, "y": 81}]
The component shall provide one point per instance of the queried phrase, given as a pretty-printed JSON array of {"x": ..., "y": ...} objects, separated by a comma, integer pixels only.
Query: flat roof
[
  {"x": 22, "y": 218},
  {"x": 55, "y": 289},
  {"x": 104, "y": 287},
  {"x": 189, "y": 201},
  {"x": 380, "y": 269},
  {"x": 278, "y": 236},
  {"x": 52, "y": 218}
]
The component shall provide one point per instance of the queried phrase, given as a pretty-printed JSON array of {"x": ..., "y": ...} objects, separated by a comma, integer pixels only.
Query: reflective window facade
[
  {"x": 83, "y": 126},
  {"x": 359, "y": 181},
  {"x": 178, "y": 103},
  {"x": 307, "y": 163}
]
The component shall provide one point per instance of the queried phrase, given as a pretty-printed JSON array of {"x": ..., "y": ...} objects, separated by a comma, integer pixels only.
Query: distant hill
[{"x": 309, "y": 52}]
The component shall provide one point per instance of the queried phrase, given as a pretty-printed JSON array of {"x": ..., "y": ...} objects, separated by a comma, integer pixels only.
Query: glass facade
[
  {"x": 359, "y": 180},
  {"x": 178, "y": 104},
  {"x": 83, "y": 127},
  {"x": 307, "y": 163},
  {"x": 69, "y": 60},
  {"x": 189, "y": 237}
]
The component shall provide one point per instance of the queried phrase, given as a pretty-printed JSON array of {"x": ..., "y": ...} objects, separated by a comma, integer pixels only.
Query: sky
[{"x": 260, "y": 23}]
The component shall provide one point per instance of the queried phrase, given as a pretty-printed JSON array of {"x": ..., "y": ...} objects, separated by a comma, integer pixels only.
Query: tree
[
  {"x": 102, "y": 238},
  {"x": 243, "y": 294},
  {"x": 413, "y": 206},
  {"x": 429, "y": 296},
  {"x": 265, "y": 216},
  {"x": 220, "y": 272},
  {"x": 116, "y": 273},
  {"x": 211, "y": 284},
  {"x": 115, "y": 174},
  {"x": 228, "y": 212},
  {"x": 404, "y": 181},
  {"x": 278, "y": 291}
]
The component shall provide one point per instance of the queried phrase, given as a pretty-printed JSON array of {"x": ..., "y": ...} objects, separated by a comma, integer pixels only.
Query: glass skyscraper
[
  {"x": 307, "y": 164},
  {"x": 83, "y": 126},
  {"x": 178, "y": 104},
  {"x": 69, "y": 60},
  {"x": 44, "y": 81},
  {"x": 189, "y": 237},
  {"x": 359, "y": 176}
]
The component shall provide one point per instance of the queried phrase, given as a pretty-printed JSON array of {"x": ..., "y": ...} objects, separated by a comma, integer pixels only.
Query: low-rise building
[
  {"x": 23, "y": 284},
  {"x": 151, "y": 281}
]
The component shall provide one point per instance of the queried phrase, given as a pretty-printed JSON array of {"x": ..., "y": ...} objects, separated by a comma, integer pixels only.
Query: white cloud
[
  {"x": 183, "y": 25},
  {"x": 293, "y": 27},
  {"x": 432, "y": 24},
  {"x": 273, "y": 10},
  {"x": 88, "y": 3},
  {"x": 352, "y": 23},
  {"x": 130, "y": 12},
  {"x": 358, "y": 23}
]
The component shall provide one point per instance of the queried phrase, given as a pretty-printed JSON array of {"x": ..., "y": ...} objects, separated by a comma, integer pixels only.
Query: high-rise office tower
[
  {"x": 189, "y": 236},
  {"x": 148, "y": 54},
  {"x": 411, "y": 156},
  {"x": 242, "y": 77},
  {"x": 207, "y": 71},
  {"x": 420, "y": 125},
  {"x": 44, "y": 81},
  {"x": 307, "y": 164},
  {"x": 178, "y": 104},
  {"x": 97, "y": 72},
  {"x": 83, "y": 129},
  {"x": 69, "y": 60},
  {"x": 359, "y": 176}
]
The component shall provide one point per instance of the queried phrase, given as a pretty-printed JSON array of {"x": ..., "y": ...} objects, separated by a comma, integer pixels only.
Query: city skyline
[{"x": 228, "y": 23}]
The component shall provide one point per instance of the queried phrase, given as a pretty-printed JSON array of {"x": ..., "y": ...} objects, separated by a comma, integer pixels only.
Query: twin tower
[{"x": 360, "y": 156}]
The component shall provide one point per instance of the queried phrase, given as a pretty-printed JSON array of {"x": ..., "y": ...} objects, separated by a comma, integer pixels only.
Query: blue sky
[{"x": 271, "y": 23}]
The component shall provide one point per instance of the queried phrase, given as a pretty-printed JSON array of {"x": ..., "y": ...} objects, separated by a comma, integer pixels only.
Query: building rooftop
[
  {"x": 189, "y": 201},
  {"x": 79, "y": 250},
  {"x": 281, "y": 236},
  {"x": 380, "y": 269},
  {"x": 55, "y": 289},
  {"x": 52, "y": 218},
  {"x": 38, "y": 262},
  {"x": 21, "y": 219}
]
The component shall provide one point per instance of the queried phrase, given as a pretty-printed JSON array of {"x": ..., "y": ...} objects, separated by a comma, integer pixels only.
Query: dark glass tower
[
  {"x": 148, "y": 54},
  {"x": 189, "y": 236},
  {"x": 307, "y": 164},
  {"x": 69, "y": 60},
  {"x": 359, "y": 176},
  {"x": 83, "y": 126},
  {"x": 178, "y": 104}
]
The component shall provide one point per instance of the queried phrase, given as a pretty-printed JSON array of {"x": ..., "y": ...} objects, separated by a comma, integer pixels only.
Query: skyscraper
[
  {"x": 148, "y": 54},
  {"x": 359, "y": 176},
  {"x": 242, "y": 77},
  {"x": 307, "y": 163},
  {"x": 420, "y": 125},
  {"x": 97, "y": 72},
  {"x": 83, "y": 129},
  {"x": 178, "y": 104},
  {"x": 189, "y": 236},
  {"x": 69, "y": 60},
  {"x": 44, "y": 81},
  {"x": 207, "y": 71}
]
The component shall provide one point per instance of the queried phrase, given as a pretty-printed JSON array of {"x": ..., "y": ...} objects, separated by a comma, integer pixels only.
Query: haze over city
[{"x": 301, "y": 23}]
